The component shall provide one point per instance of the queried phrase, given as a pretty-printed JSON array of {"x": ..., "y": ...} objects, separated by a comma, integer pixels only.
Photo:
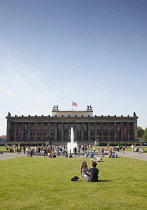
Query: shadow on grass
[{"x": 105, "y": 180}]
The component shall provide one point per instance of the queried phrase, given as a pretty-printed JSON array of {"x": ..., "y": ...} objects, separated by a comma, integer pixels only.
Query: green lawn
[
  {"x": 44, "y": 183},
  {"x": 2, "y": 148}
]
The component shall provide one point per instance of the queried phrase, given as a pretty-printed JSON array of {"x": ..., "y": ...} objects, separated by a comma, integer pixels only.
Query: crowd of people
[
  {"x": 49, "y": 151},
  {"x": 54, "y": 151}
]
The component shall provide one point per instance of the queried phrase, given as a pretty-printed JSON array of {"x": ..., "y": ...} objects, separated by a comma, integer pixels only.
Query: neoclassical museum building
[{"x": 56, "y": 128}]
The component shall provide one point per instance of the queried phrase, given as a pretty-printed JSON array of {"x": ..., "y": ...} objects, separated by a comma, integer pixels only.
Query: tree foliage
[
  {"x": 140, "y": 131},
  {"x": 145, "y": 135}
]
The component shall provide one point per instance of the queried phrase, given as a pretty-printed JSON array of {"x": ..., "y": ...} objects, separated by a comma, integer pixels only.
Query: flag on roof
[{"x": 74, "y": 104}]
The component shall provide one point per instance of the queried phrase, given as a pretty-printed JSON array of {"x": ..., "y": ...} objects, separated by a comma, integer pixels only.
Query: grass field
[{"x": 44, "y": 183}]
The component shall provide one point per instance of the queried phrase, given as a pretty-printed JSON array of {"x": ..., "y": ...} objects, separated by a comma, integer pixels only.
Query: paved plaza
[
  {"x": 136, "y": 155},
  {"x": 9, "y": 155}
]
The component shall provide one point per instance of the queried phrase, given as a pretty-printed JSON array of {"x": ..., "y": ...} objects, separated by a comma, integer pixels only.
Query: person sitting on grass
[
  {"x": 91, "y": 154},
  {"x": 86, "y": 154},
  {"x": 51, "y": 155},
  {"x": 93, "y": 173},
  {"x": 110, "y": 154},
  {"x": 84, "y": 168}
]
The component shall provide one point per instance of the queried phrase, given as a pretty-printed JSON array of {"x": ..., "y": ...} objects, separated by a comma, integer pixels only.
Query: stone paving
[
  {"x": 9, "y": 155},
  {"x": 136, "y": 155}
]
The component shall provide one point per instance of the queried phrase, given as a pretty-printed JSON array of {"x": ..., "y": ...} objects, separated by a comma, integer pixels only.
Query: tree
[
  {"x": 140, "y": 131},
  {"x": 145, "y": 135}
]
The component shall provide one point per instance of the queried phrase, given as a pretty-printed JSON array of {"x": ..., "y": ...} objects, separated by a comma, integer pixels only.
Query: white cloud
[
  {"x": 5, "y": 89},
  {"x": 19, "y": 78},
  {"x": 23, "y": 89}
]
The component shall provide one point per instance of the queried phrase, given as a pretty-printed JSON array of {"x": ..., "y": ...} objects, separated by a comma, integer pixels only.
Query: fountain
[{"x": 72, "y": 144}]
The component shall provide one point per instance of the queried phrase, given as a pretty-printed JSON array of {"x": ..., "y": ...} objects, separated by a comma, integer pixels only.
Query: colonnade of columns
[
  {"x": 131, "y": 130},
  {"x": 12, "y": 131},
  {"x": 69, "y": 127}
]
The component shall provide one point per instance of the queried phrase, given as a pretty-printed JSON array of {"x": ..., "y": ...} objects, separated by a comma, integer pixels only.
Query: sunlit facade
[{"x": 56, "y": 128}]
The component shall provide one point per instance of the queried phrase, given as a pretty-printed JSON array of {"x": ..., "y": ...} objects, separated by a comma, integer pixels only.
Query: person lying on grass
[
  {"x": 97, "y": 159},
  {"x": 92, "y": 175}
]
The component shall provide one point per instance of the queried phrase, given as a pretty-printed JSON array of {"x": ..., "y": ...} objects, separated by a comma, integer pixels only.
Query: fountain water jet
[{"x": 72, "y": 144}]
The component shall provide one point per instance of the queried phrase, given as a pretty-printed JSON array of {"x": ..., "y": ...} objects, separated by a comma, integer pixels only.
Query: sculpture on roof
[
  {"x": 134, "y": 114},
  {"x": 9, "y": 114},
  {"x": 55, "y": 107},
  {"x": 89, "y": 107}
]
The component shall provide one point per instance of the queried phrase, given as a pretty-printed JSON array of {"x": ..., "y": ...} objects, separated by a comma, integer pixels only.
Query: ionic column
[
  {"x": 82, "y": 134},
  {"x": 95, "y": 129},
  {"x": 62, "y": 130},
  {"x": 15, "y": 132},
  {"x": 115, "y": 130},
  {"x": 75, "y": 131},
  {"x": 48, "y": 130},
  {"x": 121, "y": 125},
  {"x": 22, "y": 131},
  {"x": 55, "y": 131},
  {"x": 28, "y": 131},
  {"x": 135, "y": 130},
  {"x": 42, "y": 131},
  {"x": 127, "y": 130},
  {"x": 88, "y": 131},
  {"x": 35, "y": 130},
  {"x": 69, "y": 131},
  {"x": 108, "y": 131},
  {"x": 8, "y": 130},
  {"x": 102, "y": 131}
]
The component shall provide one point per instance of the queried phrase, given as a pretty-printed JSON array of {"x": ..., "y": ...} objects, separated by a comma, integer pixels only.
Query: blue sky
[{"x": 53, "y": 52}]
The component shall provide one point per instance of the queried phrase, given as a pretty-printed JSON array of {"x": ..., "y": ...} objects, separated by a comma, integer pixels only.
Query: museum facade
[{"x": 56, "y": 128}]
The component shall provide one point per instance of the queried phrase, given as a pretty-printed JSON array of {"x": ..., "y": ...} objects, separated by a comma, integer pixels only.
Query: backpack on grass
[{"x": 75, "y": 178}]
